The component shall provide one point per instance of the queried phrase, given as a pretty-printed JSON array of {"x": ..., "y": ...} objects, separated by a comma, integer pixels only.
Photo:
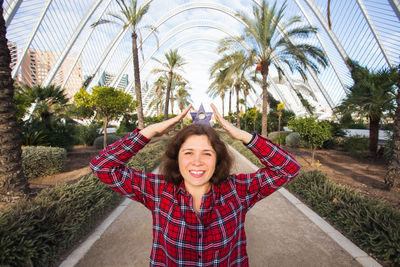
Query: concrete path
[{"x": 281, "y": 231}]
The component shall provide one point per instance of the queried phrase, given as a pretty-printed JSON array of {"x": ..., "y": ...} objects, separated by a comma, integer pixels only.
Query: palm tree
[
  {"x": 183, "y": 97},
  {"x": 233, "y": 68},
  {"x": 393, "y": 171},
  {"x": 158, "y": 94},
  {"x": 130, "y": 17},
  {"x": 46, "y": 100},
  {"x": 270, "y": 35},
  {"x": 219, "y": 87},
  {"x": 12, "y": 179},
  {"x": 174, "y": 63},
  {"x": 371, "y": 95}
]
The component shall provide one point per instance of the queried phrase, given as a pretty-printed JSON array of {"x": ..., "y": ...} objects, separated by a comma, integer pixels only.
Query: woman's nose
[{"x": 197, "y": 160}]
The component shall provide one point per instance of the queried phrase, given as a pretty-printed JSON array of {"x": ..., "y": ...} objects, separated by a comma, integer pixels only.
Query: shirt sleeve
[
  {"x": 280, "y": 168},
  {"x": 109, "y": 167}
]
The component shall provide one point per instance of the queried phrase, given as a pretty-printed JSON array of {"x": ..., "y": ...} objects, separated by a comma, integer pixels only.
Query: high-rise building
[
  {"x": 36, "y": 65},
  {"x": 13, "y": 53},
  {"x": 107, "y": 78}
]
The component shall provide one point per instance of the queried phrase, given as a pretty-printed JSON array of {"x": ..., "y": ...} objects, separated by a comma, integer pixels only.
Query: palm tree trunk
[
  {"x": 237, "y": 88},
  {"x": 172, "y": 103},
  {"x": 264, "y": 120},
  {"x": 223, "y": 104},
  {"x": 167, "y": 95},
  {"x": 393, "y": 172},
  {"x": 230, "y": 105},
  {"x": 138, "y": 89},
  {"x": 12, "y": 179},
  {"x": 373, "y": 135}
]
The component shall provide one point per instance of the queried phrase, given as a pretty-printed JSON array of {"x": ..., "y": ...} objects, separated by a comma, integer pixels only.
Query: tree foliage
[
  {"x": 107, "y": 103},
  {"x": 312, "y": 131},
  {"x": 371, "y": 97}
]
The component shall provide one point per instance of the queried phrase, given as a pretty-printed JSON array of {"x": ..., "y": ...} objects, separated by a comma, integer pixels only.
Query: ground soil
[{"x": 365, "y": 175}]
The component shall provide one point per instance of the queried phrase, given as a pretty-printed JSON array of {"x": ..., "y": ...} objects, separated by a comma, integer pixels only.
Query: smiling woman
[{"x": 198, "y": 208}]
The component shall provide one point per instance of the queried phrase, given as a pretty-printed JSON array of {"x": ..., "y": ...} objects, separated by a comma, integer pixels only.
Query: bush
[
  {"x": 149, "y": 157},
  {"x": 87, "y": 134},
  {"x": 40, "y": 161},
  {"x": 37, "y": 232},
  {"x": 34, "y": 232},
  {"x": 357, "y": 146},
  {"x": 98, "y": 142},
  {"x": 293, "y": 140},
  {"x": 371, "y": 224}
]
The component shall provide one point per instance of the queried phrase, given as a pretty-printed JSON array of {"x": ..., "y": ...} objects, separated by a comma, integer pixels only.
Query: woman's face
[{"x": 197, "y": 159}]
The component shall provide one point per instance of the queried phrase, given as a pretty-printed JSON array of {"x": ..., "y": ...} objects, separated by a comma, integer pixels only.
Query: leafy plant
[{"x": 312, "y": 131}]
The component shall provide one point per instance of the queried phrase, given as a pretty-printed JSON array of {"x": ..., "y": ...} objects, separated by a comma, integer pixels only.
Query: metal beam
[
  {"x": 323, "y": 47},
  {"x": 33, "y": 34},
  {"x": 396, "y": 7},
  {"x": 84, "y": 44},
  {"x": 11, "y": 11},
  {"x": 331, "y": 34},
  {"x": 71, "y": 42},
  {"x": 374, "y": 33}
]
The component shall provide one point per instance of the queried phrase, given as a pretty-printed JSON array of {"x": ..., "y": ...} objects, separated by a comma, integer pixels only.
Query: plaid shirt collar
[{"x": 180, "y": 189}]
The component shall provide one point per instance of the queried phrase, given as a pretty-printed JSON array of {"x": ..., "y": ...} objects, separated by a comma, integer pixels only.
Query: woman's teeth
[{"x": 197, "y": 172}]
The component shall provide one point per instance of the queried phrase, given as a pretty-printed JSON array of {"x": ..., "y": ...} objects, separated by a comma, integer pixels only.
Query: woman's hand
[
  {"x": 234, "y": 132},
  {"x": 161, "y": 127}
]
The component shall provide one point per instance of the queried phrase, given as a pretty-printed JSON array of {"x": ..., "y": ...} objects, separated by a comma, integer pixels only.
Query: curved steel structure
[{"x": 59, "y": 31}]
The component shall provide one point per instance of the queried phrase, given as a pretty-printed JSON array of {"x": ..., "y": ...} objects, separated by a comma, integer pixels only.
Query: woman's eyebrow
[{"x": 208, "y": 150}]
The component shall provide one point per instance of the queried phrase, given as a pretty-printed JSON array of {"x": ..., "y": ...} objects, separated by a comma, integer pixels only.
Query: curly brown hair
[{"x": 169, "y": 165}]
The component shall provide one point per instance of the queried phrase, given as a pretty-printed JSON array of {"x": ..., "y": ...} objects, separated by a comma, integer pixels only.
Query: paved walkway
[{"x": 281, "y": 231}]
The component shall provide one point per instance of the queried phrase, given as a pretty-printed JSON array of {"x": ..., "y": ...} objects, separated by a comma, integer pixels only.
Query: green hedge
[
  {"x": 372, "y": 225},
  {"x": 38, "y": 231},
  {"x": 40, "y": 161},
  {"x": 35, "y": 232}
]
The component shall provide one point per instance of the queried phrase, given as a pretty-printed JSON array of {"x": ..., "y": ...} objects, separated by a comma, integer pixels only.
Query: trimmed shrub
[
  {"x": 371, "y": 224},
  {"x": 98, "y": 142},
  {"x": 293, "y": 140},
  {"x": 34, "y": 232},
  {"x": 357, "y": 146},
  {"x": 40, "y": 161},
  {"x": 38, "y": 231}
]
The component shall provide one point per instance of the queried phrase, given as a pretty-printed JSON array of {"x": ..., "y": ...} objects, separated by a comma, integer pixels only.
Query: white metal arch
[
  {"x": 71, "y": 42},
  {"x": 84, "y": 44},
  {"x": 214, "y": 6},
  {"x": 32, "y": 36}
]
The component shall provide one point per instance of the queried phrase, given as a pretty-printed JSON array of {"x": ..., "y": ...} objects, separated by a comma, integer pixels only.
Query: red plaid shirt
[{"x": 213, "y": 237}]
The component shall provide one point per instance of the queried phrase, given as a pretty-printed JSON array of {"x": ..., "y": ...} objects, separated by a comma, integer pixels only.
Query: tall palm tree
[
  {"x": 393, "y": 172},
  {"x": 12, "y": 179},
  {"x": 234, "y": 66},
  {"x": 219, "y": 87},
  {"x": 183, "y": 97},
  {"x": 174, "y": 62},
  {"x": 372, "y": 94},
  {"x": 269, "y": 33},
  {"x": 130, "y": 17},
  {"x": 158, "y": 94}
]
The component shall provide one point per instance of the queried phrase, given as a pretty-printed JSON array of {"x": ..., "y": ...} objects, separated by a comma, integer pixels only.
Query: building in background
[
  {"x": 36, "y": 65},
  {"x": 107, "y": 78}
]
